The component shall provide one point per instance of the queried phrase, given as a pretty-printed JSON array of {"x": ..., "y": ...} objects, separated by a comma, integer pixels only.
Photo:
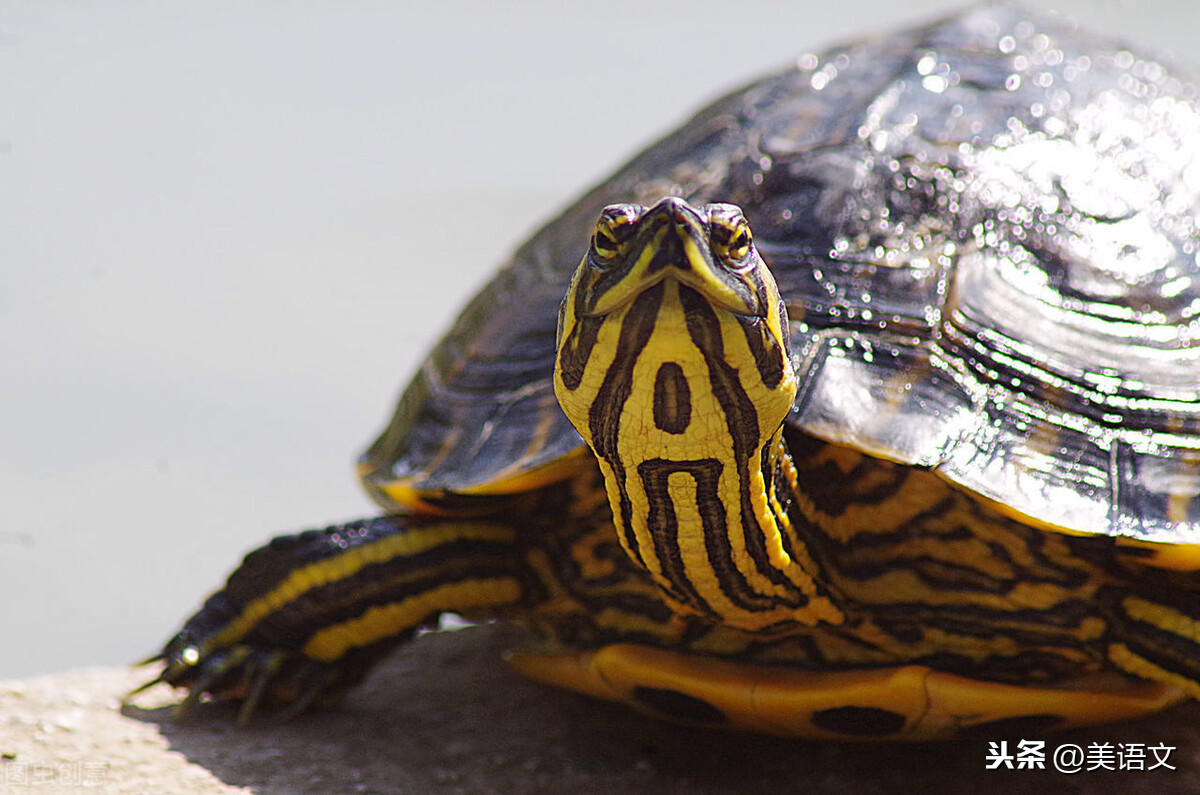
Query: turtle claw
[
  {"x": 144, "y": 686},
  {"x": 278, "y": 680},
  {"x": 260, "y": 673}
]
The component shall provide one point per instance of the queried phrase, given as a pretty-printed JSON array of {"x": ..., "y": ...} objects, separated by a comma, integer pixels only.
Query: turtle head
[
  {"x": 707, "y": 249},
  {"x": 672, "y": 319},
  {"x": 673, "y": 365}
]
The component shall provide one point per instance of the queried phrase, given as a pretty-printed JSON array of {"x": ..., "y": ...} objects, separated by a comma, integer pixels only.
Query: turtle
[{"x": 869, "y": 409}]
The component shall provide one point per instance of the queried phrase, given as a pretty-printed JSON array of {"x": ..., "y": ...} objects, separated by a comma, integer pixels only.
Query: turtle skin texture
[{"x": 979, "y": 509}]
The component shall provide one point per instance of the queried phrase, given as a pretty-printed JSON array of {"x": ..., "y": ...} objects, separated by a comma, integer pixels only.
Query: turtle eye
[
  {"x": 604, "y": 242},
  {"x": 730, "y": 238},
  {"x": 739, "y": 246},
  {"x": 613, "y": 231}
]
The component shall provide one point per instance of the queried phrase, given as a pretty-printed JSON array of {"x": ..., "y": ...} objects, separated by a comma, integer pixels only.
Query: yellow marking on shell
[
  {"x": 957, "y": 703},
  {"x": 1176, "y": 557},
  {"x": 388, "y": 620},
  {"x": 346, "y": 565},
  {"x": 763, "y": 699},
  {"x": 518, "y": 480},
  {"x": 920, "y": 703},
  {"x": 403, "y": 495},
  {"x": 515, "y": 479}
]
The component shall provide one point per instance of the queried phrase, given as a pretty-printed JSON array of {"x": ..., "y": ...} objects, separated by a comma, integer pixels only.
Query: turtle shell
[{"x": 985, "y": 231}]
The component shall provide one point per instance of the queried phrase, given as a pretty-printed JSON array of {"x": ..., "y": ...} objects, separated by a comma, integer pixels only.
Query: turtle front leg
[{"x": 305, "y": 617}]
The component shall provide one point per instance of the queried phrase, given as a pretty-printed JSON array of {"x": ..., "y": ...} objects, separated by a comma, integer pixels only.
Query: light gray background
[{"x": 229, "y": 230}]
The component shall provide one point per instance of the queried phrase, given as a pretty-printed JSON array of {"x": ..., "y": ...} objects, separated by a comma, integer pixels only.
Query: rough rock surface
[{"x": 446, "y": 716}]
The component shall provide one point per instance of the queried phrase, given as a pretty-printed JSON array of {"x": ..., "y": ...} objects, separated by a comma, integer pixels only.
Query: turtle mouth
[{"x": 673, "y": 243}]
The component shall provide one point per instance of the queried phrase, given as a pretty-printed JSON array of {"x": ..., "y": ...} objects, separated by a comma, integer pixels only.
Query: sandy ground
[{"x": 446, "y": 716}]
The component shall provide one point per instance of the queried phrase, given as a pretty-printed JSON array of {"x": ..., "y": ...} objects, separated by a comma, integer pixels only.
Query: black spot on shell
[
  {"x": 1025, "y": 725},
  {"x": 680, "y": 706},
  {"x": 859, "y": 721}
]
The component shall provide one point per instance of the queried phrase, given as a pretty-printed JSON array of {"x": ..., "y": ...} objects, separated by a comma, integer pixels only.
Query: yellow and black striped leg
[{"x": 305, "y": 617}]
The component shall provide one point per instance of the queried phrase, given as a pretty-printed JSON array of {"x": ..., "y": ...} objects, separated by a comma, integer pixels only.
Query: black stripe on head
[
  {"x": 663, "y": 524},
  {"x": 742, "y": 422},
  {"x": 740, "y": 415},
  {"x": 669, "y": 254},
  {"x": 768, "y": 356},
  {"x": 672, "y": 399},
  {"x": 604, "y": 415},
  {"x": 664, "y": 528},
  {"x": 720, "y": 234},
  {"x": 576, "y": 349}
]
